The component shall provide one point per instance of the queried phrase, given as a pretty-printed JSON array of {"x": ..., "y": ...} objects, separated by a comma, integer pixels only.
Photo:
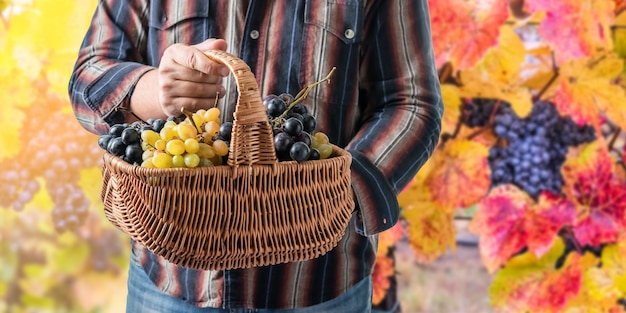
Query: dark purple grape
[
  {"x": 303, "y": 137},
  {"x": 293, "y": 126},
  {"x": 226, "y": 130},
  {"x": 309, "y": 123},
  {"x": 286, "y": 97},
  {"x": 300, "y": 108},
  {"x": 314, "y": 154},
  {"x": 267, "y": 99},
  {"x": 282, "y": 142},
  {"x": 133, "y": 153},
  {"x": 299, "y": 151},
  {"x": 117, "y": 129},
  {"x": 158, "y": 124},
  {"x": 103, "y": 141},
  {"x": 130, "y": 136},
  {"x": 276, "y": 107},
  {"x": 116, "y": 146}
]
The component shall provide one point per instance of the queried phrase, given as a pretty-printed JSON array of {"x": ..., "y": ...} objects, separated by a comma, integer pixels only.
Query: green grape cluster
[{"x": 197, "y": 140}]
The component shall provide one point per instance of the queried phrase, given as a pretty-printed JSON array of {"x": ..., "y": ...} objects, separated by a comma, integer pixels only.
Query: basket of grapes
[{"x": 262, "y": 190}]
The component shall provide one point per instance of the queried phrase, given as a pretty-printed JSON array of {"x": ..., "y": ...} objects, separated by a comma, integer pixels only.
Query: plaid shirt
[{"x": 383, "y": 105}]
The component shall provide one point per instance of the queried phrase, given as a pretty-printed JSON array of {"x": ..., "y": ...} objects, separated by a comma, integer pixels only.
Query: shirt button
[
  {"x": 254, "y": 34},
  {"x": 349, "y": 33}
]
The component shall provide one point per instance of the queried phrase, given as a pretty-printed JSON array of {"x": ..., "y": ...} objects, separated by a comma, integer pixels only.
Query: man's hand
[{"x": 188, "y": 79}]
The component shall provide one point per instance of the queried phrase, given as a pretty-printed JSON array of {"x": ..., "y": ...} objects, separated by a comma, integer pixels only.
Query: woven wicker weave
[{"x": 254, "y": 211}]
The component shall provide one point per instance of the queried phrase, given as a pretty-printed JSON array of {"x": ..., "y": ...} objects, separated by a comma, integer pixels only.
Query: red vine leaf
[
  {"x": 463, "y": 31},
  {"x": 528, "y": 283},
  {"x": 588, "y": 26},
  {"x": 508, "y": 220},
  {"x": 599, "y": 197},
  {"x": 460, "y": 175}
]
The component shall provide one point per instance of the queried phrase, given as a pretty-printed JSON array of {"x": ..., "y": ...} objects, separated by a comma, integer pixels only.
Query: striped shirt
[{"x": 383, "y": 105}]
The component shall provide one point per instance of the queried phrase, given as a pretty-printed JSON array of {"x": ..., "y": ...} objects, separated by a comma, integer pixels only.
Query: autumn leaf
[
  {"x": 390, "y": 238},
  {"x": 588, "y": 26},
  {"x": 508, "y": 220},
  {"x": 528, "y": 283},
  {"x": 452, "y": 107},
  {"x": 600, "y": 199},
  {"x": 586, "y": 90},
  {"x": 460, "y": 177},
  {"x": 430, "y": 231},
  {"x": 498, "y": 75},
  {"x": 605, "y": 284},
  {"x": 383, "y": 270},
  {"x": 429, "y": 227},
  {"x": 463, "y": 31}
]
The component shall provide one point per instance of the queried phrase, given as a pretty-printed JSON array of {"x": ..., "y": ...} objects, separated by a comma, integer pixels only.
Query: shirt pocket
[
  {"x": 169, "y": 13},
  {"x": 342, "y": 18}
]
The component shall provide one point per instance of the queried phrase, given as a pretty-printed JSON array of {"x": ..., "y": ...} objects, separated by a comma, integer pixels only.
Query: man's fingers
[
  {"x": 193, "y": 58},
  {"x": 212, "y": 44}
]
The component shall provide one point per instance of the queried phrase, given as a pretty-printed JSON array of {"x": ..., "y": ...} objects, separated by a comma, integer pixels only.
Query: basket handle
[{"x": 252, "y": 139}]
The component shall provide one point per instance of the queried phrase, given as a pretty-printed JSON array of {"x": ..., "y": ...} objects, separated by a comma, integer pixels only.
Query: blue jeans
[{"x": 145, "y": 297}]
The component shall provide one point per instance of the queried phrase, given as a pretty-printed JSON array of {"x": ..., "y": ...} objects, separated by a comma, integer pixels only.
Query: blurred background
[{"x": 58, "y": 253}]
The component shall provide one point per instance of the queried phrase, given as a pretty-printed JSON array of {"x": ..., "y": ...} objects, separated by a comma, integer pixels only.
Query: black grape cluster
[
  {"x": 536, "y": 147},
  {"x": 294, "y": 130},
  {"x": 477, "y": 111},
  {"x": 55, "y": 164},
  {"x": 124, "y": 140}
]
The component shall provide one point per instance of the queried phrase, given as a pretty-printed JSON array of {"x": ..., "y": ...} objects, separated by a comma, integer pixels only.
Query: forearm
[
  {"x": 109, "y": 64},
  {"x": 402, "y": 108}
]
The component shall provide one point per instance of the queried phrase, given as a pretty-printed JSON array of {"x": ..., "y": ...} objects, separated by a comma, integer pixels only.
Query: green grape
[
  {"x": 178, "y": 161},
  {"x": 175, "y": 146},
  {"x": 325, "y": 150},
  {"x": 191, "y": 160},
  {"x": 150, "y": 137},
  {"x": 162, "y": 160},
  {"x": 192, "y": 145}
]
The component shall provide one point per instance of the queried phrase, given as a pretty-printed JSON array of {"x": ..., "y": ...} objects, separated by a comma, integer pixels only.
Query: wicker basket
[{"x": 254, "y": 211}]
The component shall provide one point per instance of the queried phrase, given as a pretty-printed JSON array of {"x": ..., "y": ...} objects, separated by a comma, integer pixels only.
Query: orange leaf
[
  {"x": 383, "y": 269},
  {"x": 389, "y": 238},
  {"x": 599, "y": 197},
  {"x": 508, "y": 221},
  {"x": 460, "y": 177},
  {"x": 463, "y": 31}
]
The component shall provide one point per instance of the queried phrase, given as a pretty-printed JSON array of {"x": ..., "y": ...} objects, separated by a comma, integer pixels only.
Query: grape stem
[
  {"x": 123, "y": 109},
  {"x": 302, "y": 95},
  {"x": 555, "y": 70},
  {"x": 190, "y": 117}
]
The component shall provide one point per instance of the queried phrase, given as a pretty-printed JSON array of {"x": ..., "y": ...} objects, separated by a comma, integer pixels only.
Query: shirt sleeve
[
  {"x": 402, "y": 106},
  {"x": 109, "y": 64}
]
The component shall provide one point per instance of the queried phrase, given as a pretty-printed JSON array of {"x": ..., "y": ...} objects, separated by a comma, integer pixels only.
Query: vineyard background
[{"x": 567, "y": 52}]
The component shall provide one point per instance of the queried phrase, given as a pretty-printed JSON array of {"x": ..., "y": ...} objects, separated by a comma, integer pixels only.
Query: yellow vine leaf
[
  {"x": 452, "y": 105},
  {"x": 497, "y": 76},
  {"x": 430, "y": 231},
  {"x": 586, "y": 90},
  {"x": 429, "y": 227},
  {"x": 460, "y": 177}
]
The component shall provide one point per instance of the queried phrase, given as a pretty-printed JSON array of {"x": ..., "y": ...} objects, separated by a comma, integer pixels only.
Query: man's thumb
[{"x": 212, "y": 44}]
